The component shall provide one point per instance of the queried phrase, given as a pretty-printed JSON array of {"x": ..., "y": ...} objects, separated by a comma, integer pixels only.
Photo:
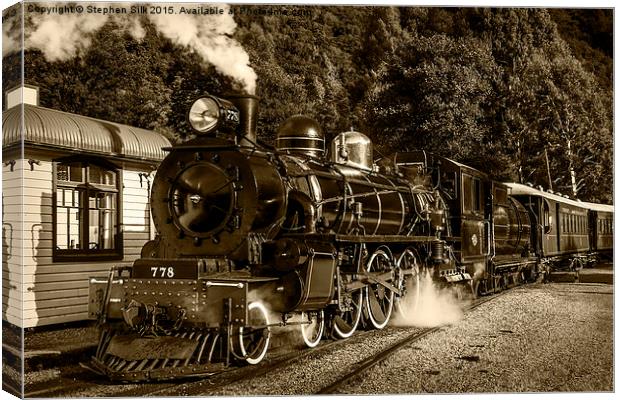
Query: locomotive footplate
[{"x": 332, "y": 237}]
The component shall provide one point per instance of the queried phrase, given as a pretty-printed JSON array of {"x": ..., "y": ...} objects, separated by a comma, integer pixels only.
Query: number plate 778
[
  {"x": 164, "y": 269},
  {"x": 162, "y": 272}
]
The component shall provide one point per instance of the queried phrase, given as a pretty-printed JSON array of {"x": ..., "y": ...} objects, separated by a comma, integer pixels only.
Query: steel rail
[
  {"x": 223, "y": 379},
  {"x": 210, "y": 384},
  {"x": 362, "y": 366}
]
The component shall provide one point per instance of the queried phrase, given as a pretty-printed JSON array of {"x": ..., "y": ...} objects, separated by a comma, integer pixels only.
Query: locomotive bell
[{"x": 301, "y": 135}]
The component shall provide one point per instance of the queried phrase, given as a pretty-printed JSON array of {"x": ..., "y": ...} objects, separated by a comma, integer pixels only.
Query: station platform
[
  {"x": 45, "y": 347},
  {"x": 601, "y": 273}
]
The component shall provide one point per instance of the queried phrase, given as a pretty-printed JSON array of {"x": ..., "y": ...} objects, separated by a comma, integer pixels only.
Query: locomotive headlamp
[{"x": 210, "y": 113}]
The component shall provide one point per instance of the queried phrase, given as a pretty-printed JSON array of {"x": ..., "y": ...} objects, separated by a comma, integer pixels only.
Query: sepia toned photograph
[{"x": 211, "y": 199}]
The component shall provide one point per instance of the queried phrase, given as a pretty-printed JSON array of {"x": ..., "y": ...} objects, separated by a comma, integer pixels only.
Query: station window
[{"x": 86, "y": 212}]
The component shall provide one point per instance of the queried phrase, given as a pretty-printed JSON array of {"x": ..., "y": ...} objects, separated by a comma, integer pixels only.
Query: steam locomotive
[{"x": 252, "y": 236}]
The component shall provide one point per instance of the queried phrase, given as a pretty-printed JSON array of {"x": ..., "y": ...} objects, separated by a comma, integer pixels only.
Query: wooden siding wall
[
  {"x": 12, "y": 242},
  {"x": 34, "y": 286}
]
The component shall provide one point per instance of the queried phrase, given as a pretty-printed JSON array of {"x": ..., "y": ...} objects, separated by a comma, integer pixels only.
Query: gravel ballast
[
  {"x": 538, "y": 338},
  {"x": 535, "y": 338}
]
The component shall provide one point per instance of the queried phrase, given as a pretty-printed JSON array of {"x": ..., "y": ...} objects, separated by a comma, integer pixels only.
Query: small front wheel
[
  {"x": 253, "y": 340},
  {"x": 313, "y": 331}
]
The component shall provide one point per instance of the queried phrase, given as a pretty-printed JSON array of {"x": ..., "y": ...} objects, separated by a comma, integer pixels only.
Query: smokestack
[{"x": 248, "y": 110}]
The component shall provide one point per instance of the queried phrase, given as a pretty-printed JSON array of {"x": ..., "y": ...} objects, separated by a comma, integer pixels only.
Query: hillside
[{"x": 494, "y": 88}]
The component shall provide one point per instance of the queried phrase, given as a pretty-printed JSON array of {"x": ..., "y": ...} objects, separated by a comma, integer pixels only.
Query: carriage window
[
  {"x": 564, "y": 224},
  {"x": 584, "y": 226},
  {"x": 86, "y": 212},
  {"x": 546, "y": 217}
]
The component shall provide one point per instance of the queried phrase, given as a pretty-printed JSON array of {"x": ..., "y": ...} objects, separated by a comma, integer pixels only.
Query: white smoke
[
  {"x": 132, "y": 25},
  {"x": 209, "y": 36},
  {"x": 60, "y": 36},
  {"x": 428, "y": 305}
]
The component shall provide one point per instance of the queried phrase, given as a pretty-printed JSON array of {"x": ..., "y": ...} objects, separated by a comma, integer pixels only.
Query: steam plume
[
  {"x": 60, "y": 36},
  {"x": 209, "y": 37},
  {"x": 428, "y": 305}
]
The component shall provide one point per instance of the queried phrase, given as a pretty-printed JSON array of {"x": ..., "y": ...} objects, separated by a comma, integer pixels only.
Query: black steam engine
[{"x": 251, "y": 237}]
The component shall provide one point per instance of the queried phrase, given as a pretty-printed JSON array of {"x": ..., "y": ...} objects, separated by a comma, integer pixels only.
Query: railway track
[
  {"x": 360, "y": 367},
  {"x": 77, "y": 379},
  {"x": 216, "y": 382},
  {"x": 76, "y": 383}
]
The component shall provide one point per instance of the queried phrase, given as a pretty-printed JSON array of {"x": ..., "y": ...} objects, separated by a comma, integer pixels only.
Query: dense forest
[{"x": 500, "y": 89}]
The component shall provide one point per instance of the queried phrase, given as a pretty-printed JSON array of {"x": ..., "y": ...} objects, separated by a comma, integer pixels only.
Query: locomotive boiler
[{"x": 247, "y": 231}]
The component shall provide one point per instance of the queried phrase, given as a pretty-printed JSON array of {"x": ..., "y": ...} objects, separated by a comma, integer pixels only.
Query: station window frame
[{"x": 90, "y": 188}]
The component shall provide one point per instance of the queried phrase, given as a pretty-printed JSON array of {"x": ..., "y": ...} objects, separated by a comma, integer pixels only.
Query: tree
[{"x": 436, "y": 97}]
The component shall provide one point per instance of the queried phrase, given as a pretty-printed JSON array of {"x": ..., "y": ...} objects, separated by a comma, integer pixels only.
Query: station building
[{"x": 75, "y": 202}]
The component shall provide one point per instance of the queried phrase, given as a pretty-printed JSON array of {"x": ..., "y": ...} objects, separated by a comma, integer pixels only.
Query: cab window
[{"x": 472, "y": 194}]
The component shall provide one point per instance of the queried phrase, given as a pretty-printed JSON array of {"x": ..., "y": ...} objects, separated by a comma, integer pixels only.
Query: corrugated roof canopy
[{"x": 44, "y": 126}]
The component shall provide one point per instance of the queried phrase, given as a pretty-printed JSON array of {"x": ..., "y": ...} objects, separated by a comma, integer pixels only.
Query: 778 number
[{"x": 162, "y": 272}]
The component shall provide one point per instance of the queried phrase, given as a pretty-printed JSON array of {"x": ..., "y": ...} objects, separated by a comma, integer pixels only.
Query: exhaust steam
[
  {"x": 284, "y": 337},
  {"x": 60, "y": 36},
  {"x": 427, "y": 304}
]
